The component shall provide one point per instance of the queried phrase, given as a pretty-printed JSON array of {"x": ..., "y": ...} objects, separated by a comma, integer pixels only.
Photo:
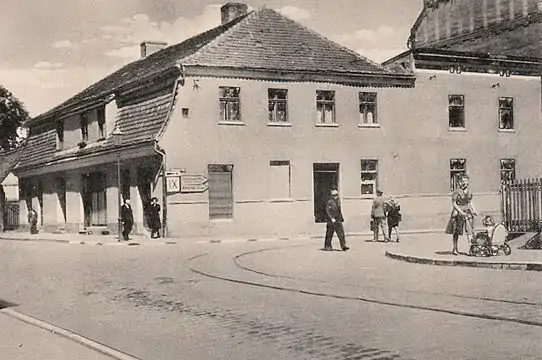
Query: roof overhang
[
  {"x": 436, "y": 59},
  {"x": 365, "y": 79}
]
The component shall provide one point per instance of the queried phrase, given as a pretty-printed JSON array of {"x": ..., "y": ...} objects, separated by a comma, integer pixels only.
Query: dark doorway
[
  {"x": 145, "y": 177},
  {"x": 326, "y": 178}
]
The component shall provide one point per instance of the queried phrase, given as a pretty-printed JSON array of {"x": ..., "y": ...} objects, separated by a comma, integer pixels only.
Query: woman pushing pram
[{"x": 463, "y": 212}]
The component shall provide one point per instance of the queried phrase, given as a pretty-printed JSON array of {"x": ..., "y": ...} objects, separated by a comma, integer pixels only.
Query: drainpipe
[{"x": 161, "y": 152}]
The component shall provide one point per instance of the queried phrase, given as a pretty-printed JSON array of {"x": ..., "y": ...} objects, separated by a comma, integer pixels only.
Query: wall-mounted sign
[
  {"x": 193, "y": 183},
  {"x": 173, "y": 184}
]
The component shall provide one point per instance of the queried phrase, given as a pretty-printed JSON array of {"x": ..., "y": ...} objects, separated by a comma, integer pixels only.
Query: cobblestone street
[{"x": 274, "y": 300}]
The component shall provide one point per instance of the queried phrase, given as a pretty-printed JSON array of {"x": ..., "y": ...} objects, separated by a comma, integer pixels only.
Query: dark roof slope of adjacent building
[
  {"x": 8, "y": 160},
  {"x": 505, "y": 27},
  {"x": 261, "y": 39}
]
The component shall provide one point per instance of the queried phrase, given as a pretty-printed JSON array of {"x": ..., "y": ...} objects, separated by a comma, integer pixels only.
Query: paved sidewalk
[
  {"x": 435, "y": 249},
  {"x": 23, "y": 341}
]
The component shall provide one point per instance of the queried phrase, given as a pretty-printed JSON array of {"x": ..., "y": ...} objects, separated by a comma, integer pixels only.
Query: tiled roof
[
  {"x": 139, "y": 120},
  {"x": 505, "y": 27},
  {"x": 268, "y": 40},
  {"x": 153, "y": 64},
  {"x": 8, "y": 160},
  {"x": 261, "y": 39}
]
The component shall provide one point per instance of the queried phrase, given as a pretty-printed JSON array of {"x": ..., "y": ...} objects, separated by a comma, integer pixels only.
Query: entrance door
[
  {"x": 326, "y": 178},
  {"x": 94, "y": 199}
]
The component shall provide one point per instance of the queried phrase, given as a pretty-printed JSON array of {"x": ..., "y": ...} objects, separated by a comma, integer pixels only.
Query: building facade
[{"x": 239, "y": 132}]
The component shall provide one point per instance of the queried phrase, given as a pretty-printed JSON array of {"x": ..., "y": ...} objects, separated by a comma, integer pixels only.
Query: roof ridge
[
  {"x": 247, "y": 16},
  {"x": 342, "y": 47}
]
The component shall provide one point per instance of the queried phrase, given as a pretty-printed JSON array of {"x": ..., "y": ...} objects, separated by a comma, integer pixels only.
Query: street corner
[{"x": 436, "y": 252}]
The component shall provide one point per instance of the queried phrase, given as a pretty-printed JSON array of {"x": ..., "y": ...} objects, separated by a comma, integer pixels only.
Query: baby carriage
[{"x": 489, "y": 242}]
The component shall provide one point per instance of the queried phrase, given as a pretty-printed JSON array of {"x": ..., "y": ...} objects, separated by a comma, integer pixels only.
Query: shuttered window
[{"x": 220, "y": 191}]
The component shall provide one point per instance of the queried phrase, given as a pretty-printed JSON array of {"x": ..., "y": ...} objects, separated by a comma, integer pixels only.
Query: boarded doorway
[{"x": 326, "y": 178}]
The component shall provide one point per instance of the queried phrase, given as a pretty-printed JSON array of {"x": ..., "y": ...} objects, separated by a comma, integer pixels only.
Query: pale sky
[{"x": 50, "y": 50}]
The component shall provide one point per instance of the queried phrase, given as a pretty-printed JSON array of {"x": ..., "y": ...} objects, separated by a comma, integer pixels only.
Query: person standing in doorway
[
  {"x": 127, "y": 218},
  {"x": 335, "y": 221},
  {"x": 378, "y": 215},
  {"x": 154, "y": 218},
  {"x": 463, "y": 212}
]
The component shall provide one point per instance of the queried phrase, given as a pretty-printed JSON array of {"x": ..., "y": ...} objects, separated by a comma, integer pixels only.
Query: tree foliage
[{"x": 12, "y": 115}]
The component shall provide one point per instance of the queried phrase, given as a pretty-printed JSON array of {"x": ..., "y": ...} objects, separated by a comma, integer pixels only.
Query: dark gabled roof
[
  {"x": 505, "y": 27},
  {"x": 149, "y": 66},
  {"x": 139, "y": 120},
  {"x": 262, "y": 39},
  {"x": 268, "y": 40},
  {"x": 8, "y": 160}
]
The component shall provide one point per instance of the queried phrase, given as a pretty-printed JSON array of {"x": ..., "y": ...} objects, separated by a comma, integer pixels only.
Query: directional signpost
[{"x": 193, "y": 184}]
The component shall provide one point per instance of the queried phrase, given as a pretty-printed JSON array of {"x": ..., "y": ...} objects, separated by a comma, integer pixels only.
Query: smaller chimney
[
  {"x": 149, "y": 47},
  {"x": 231, "y": 11}
]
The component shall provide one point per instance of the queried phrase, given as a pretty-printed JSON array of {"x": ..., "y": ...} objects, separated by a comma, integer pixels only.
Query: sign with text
[{"x": 193, "y": 183}]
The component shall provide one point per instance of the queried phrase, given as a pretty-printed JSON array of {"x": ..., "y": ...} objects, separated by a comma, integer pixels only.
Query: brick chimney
[
  {"x": 231, "y": 11},
  {"x": 149, "y": 47}
]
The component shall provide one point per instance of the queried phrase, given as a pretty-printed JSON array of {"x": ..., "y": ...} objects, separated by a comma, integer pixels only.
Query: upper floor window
[
  {"x": 506, "y": 113},
  {"x": 60, "y": 135},
  {"x": 369, "y": 176},
  {"x": 508, "y": 170},
  {"x": 458, "y": 167},
  {"x": 83, "y": 119},
  {"x": 325, "y": 106},
  {"x": 456, "y": 111},
  {"x": 278, "y": 105},
  {"x": 100, "y": 114},
  {"x": 230, "y": 104},
  {"x": 367, "y": 108}
]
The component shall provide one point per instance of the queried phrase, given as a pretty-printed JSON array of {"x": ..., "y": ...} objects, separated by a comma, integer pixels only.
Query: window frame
[
  {"x": 365, "y": 104},
  {"x": 225, "y": 100},
  {"x": 321, "y": 104},
  {"x": 100, "y": 116},
  {"x": 274, "y": 102},
  {"x": 59, "y": 135},
  {"x": 501, "y": 100},
  {"x": 454, "y": 173},
  {"x": 452, "y": 106},
  {"x": 504, "y": 170},
  {"x": 83, "y": 122},
  {"x": 365, "y": 171}
]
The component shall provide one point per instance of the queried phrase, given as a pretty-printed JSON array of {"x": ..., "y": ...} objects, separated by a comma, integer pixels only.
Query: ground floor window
[
  {"x": 220, "y": 191},
  {"x": 508, "y": 170},
  {"x": 369, "y": 176},
  {"x": 279, "y": 179},
  {"x": 458, "y": 167}
]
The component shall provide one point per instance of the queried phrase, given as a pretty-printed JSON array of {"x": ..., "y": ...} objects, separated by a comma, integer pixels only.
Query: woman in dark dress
[
  {"x": 154, "y": 218},
  {"x": 394, "y": 217}
]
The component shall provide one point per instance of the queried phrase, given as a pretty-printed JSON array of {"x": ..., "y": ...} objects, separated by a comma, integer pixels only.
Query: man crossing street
[{"x": 334, "y": 222}]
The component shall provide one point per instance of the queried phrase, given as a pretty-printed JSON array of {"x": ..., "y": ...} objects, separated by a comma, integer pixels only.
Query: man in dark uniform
[
  {"x": 127, "y": 218},
  {"x": 334, "y": 222}
]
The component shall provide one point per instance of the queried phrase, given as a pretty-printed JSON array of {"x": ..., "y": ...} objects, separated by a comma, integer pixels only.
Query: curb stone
[{"x": 529, "y": 266}]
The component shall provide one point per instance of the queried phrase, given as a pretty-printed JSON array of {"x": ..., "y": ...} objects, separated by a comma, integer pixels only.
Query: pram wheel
[
  {"x": 494, "y": 251},
  {"x": 472, "y": 250},
  {"x": 506, "y": 249}
]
